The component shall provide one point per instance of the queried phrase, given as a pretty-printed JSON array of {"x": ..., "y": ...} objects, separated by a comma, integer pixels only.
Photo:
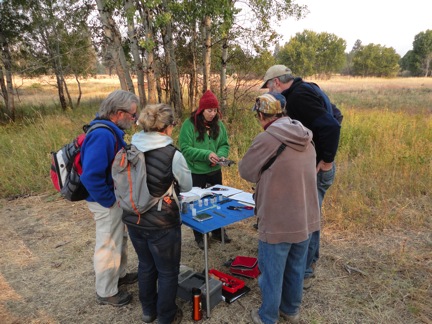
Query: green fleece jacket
[{"x": 197, "y": 152}]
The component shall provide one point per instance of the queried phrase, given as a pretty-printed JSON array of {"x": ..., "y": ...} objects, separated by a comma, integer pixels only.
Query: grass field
[{"x": 376, "y": 264}]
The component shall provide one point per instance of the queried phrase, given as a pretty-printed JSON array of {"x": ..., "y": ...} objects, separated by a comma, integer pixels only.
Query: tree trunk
[
  {"x": 7, "y": 90},
  {"x": 135, "y": 51},
  {"x": 193, "y": 82},
  {"x": 175, "y": 90},
  {"x": 223, "y": 87},
  {"x": 60, "y": 81},
  {"x": 68, "y": 94},
  {"x": 147, "y": 23},
  {"x": 207, "y": 52},
  {"x": 114, "y": 45},
  {"x": 79, "y": 91}
]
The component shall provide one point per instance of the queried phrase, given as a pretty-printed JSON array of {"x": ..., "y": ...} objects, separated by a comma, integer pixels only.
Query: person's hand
[
  {"x": 323, "y": 166},
  {"x": 213, "y": 158}
]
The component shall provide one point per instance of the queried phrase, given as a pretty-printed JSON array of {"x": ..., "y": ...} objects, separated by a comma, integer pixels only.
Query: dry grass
[{"x": 46, "y": 272}]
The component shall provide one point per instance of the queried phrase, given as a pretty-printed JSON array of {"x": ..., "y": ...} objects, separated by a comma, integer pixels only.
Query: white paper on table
[
  {"x": 245, "y": 197},
  {"x": 226, "y": 193},
  {"x": 196, "y": 193}
]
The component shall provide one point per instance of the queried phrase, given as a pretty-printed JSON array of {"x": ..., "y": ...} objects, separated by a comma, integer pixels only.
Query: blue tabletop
[{"x": 221, "y": 215}]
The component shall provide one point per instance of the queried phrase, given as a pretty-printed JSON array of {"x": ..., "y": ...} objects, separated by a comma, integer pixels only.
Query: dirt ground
[{"x": 46, "y": 272}]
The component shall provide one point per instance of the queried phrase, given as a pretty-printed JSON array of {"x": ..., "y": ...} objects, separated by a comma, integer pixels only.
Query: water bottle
[{"x": 196, "y": 304}]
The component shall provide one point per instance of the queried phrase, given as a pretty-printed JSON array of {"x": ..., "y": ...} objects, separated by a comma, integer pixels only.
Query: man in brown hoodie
[{"x": 281, "y": 161}]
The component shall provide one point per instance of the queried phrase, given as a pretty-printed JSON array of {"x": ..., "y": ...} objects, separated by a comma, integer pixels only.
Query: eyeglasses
[{"x": 134, "y": 115}]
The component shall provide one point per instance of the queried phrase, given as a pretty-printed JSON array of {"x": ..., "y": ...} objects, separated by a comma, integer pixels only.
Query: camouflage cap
[{"x": 270, "y": 103}]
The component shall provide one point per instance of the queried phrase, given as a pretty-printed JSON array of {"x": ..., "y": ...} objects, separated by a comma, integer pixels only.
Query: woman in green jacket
[{"x": 204, "y": 142}]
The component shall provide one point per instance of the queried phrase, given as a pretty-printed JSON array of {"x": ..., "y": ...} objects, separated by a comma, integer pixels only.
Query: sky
[{"x": 385, "y": 22}]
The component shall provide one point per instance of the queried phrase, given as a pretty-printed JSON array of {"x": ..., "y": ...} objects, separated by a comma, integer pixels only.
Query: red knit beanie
[{"x": 208, "y": 100}]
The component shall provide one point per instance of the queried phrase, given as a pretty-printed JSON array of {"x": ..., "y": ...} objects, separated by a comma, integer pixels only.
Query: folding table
[{"x": 222, "y": 216}]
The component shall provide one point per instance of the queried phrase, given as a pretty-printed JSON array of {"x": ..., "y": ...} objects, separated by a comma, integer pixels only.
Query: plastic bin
[
  {"x": 229, "y": 283},
  {"x": 197, "y": 280}
]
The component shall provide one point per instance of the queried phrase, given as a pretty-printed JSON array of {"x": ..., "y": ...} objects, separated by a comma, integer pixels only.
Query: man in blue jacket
[
  {"x": 311, "y": 106},
  {"x": 118, "y": 111}
]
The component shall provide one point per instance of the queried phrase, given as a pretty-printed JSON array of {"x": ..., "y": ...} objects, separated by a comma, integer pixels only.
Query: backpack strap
[
  {"x": 280, "y": 149},
  {"x": 87, "y": 129},
  {"x": 169, "y": 192}
]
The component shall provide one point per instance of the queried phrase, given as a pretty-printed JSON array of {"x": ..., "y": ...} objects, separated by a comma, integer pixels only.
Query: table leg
[
  {"x": 223, "y": 235},
  {"x": 207, "y": 275}
]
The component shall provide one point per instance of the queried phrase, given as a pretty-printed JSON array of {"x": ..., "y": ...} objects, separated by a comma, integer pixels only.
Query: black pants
[{"x": 203, "y": 181}]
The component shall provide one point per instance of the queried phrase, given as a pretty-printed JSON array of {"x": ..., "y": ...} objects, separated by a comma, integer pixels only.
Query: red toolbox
[{"x": 229, "y": 283}]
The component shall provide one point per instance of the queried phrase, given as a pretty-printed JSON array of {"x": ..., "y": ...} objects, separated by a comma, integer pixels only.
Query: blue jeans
[
  {"x": 282, "y": 269},
  {"x": 158, "y": 268},
  {"x": 324, "y": 181}
]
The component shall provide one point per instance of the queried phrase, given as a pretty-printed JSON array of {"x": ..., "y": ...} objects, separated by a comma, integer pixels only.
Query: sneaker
[
  {"x": 200, "y": 244},
  {"x": 148, "y": 318},
  {"x": 255, "y": 226},
  {"x": 130, "y": 278},
  {"x": 178, "y": 317},
  {"x": 292, "y": 319},
  {"x": 256, "y": 319},
  {"x": 218, "y": 237},
  {"x": 120, "y": 299}
]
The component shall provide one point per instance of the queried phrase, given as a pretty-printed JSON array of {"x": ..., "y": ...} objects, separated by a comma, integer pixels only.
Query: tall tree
[
  {"x": 135, "y": 50},
  {"x": 148, "y": 44},
  {"x": 58, "y": 43},
  {"x": 376, "y": 60},
  {"x": 12, "y": 24},
  {"x": 422, "y": 48},
  {"x": 114, "y": 44},
  {"x": 310, "y": 53},
  {"x": 168, "y": 41}
]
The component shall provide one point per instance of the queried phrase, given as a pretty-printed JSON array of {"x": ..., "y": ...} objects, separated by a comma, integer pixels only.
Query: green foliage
[
  {"x": 309, "y": 53},
  {"x": 422, "y": 52},
  {"x": 376, "y": 60},
  {"x": 411, "y": 63}
]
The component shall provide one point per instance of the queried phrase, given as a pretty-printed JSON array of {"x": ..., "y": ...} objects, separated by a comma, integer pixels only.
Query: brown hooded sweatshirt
[{"x": 286, "y": 197}]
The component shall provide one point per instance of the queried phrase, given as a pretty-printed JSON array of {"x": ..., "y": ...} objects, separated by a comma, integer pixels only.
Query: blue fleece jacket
[{"x": 97, "y": 154}]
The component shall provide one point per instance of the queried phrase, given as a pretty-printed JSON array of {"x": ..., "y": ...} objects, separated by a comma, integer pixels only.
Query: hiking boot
[
  {"x": 178, "y": 317},
  {"x": 120, "y": 299},
  {"x": 307, "y": 283},
  {"x": 129, "y": 279},
  {"x": 256, "y": 319},
  {"x": 200, "y": 244},
  {"x": 292, "y": 319},
  {"x": 148, "y": 318},
  {"x": 218, "y": 237}
]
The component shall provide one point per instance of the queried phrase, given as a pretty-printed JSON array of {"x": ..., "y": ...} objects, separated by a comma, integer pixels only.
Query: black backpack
[{"x": 66, "y": 168}]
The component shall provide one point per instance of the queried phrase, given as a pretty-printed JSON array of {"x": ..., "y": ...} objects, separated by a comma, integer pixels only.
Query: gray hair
[
  {"x": 155, "y": 118},
  {"x": 117, "y": 100}
]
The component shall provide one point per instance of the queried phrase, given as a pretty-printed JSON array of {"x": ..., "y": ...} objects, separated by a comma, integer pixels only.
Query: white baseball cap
[{"x": 274, "y": 72}]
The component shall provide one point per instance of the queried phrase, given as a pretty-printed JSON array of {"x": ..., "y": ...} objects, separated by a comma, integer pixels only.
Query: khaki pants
[{"x": 110, "y": 255}]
